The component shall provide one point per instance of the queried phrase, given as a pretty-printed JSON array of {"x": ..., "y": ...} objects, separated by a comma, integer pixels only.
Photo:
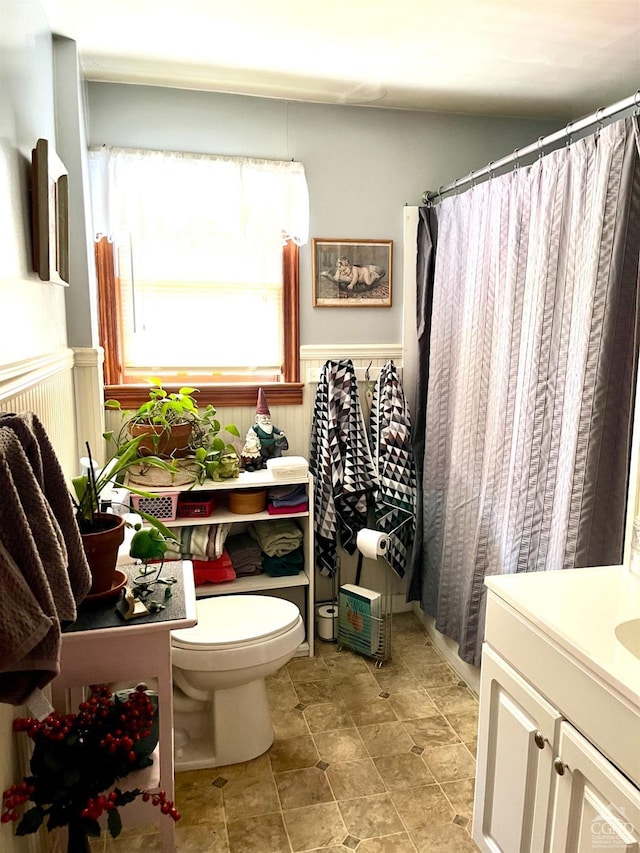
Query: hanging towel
[
  {"x": 340, "y": 462},
  {"x": 396, "y": 494},
  {"x": 33, "y": 546},
  {"x": 53, "y": 486}
]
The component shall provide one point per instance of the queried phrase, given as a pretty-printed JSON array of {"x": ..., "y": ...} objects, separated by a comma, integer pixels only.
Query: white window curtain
[{"x": 199, "y": 254}]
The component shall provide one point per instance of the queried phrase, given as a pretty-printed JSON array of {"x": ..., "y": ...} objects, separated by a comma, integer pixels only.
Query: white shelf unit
[{"x": 261, "y": 583}]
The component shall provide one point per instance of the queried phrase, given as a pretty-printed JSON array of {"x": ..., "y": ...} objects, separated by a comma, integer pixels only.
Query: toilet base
[{"x": 240, "y": 728}]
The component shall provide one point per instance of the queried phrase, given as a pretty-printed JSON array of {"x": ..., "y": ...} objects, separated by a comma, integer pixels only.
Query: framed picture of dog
[{"x": 352, "y": 273}]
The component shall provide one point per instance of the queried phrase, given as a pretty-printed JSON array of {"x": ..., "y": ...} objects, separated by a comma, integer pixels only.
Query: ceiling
[{"x": 546, "y": 58}]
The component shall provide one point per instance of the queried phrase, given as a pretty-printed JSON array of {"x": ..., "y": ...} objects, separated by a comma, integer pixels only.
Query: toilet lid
[{"x": 236, "y": 620}]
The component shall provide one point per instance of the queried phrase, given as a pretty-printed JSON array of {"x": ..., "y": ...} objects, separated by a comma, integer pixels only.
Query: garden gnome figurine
[{"x": 264, "y": 440}]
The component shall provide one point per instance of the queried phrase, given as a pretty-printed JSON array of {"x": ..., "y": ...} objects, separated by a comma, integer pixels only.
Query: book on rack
[{"x": 359, "y": 619}]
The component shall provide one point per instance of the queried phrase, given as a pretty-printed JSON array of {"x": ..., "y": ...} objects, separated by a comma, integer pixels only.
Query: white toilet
[{"x": 221, "y": 710}]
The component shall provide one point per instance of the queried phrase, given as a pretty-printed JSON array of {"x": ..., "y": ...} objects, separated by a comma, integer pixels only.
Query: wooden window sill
[{"x": 221, "y": 396}]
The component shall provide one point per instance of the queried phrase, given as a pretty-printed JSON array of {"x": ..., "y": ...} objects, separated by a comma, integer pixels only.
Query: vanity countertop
[{"x": 580, "y": 609}]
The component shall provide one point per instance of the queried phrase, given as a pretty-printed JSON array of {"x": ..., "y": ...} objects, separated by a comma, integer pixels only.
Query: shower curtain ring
[
  {"x": 490, "y": 169},
  {"x": 599, "y": 121},
  {"x": 636, "y": 100},
  {"x": 540, "y": 139},
  {"x": 516, "y": 163},
  {"x": 567, "y": 131}
]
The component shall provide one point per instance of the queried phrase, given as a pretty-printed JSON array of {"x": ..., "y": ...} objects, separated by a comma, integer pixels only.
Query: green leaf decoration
[
  {"x": 114, "y": 823},
  {"x": 31, "y": 821}
]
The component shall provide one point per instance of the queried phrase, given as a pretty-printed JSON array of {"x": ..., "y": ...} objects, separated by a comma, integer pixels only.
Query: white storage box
[{"x": 283, "y": 467}]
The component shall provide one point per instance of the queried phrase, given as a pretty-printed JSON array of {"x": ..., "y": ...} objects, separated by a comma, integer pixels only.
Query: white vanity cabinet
[
  {"x": 559, "y": 725},
  {"x": 299, "y": 588},
  {"x": 516, "y": 728}
]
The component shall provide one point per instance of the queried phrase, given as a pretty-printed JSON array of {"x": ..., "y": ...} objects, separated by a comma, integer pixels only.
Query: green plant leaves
[{"x": 31, "y": 821}]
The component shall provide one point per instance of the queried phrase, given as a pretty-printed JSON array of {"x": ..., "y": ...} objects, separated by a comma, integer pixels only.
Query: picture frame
[
  {"x": 50, "y": 214},
  {"x": 352, "y": 273}
]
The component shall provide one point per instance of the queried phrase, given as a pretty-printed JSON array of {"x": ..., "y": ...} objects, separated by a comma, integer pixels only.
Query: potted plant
[
  {"x": 102, "y": 532},
  {"x": 173, "y": 426},
  {"x": 76, "y": 762}
]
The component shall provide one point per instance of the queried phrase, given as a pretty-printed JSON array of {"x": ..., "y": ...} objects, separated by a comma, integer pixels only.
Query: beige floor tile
[
  {"x": 368, "y": 817},
  {"x": 443, "y": 839},
  {"x": 247, "y": 798},
  {"x": 197, "y": 799},
  {"x": 315, "y": 826},
  {"x": 460, "y": 795},
  {"x": 450, "y": 762},
  {"x": 425, "y": 805},
  {"x": 456, "y": 699},
  {"x": 396, "y": 682},
  {"x": 398, "y": 843},
  {"x": 207, "y": 838},
  {"x": 436, "y": 675},
  {"x": 345, "y": 663},
  {"x": 377, "y": 709},
  {"x": 327, "y": 717},
  {"x": 412, "y": 704},
  {"x": 349, "y": 779},
  {"x": 258, "y": 835},
  {"x": 386, "y": 739},
  {"x": 403, "y": 771},
  {"x": 419, "y": 655},
  {"x": 315, "y": 692},
  {"x": 282, "y": 696},
  {"x": 253, "y": 769},
  {"x": 464, "y": 723},
  {"x": 307, "y": 787},
  {"x": 288, "y": 724},
  {"x": 307, "y": 669},
  {"x": 430, "y": 731},
  {"x": 293, "y": 753},
  {"x": 340, "y": 745}
]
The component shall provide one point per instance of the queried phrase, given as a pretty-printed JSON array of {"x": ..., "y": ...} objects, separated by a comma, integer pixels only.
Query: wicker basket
[{"x": 247, "y": 501}]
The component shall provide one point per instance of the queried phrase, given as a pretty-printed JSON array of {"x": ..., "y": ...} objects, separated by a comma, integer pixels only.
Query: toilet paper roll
[
  {"x": 327, "y": 621},
  {"x": 372, "y": 543}
]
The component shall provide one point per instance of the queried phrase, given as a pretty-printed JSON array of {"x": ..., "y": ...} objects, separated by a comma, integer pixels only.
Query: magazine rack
[{"x": 364, "y": 621}]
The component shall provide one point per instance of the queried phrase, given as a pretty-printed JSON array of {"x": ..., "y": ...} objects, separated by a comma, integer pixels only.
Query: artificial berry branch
[{"x": 78, "y": 758}]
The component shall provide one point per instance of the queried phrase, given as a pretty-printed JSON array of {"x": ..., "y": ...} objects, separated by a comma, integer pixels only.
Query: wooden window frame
[{"x": 132, "y": 395}]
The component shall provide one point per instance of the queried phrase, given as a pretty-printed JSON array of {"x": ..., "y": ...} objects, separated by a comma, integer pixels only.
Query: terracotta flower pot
[
  {"x": 101, "y": 548},
  {"x": 172, "y": 442}
]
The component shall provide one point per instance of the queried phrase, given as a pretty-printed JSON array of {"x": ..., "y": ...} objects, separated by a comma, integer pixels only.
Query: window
[{"x": 198, "y": 276}]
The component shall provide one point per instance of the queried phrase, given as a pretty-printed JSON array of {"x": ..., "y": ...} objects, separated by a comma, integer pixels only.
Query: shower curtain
[{"x": 528, "y": 344}]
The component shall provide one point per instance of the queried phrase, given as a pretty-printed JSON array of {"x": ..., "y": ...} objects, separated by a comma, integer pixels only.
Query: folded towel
[
  {"x": 213, "y": 571},
  {"x": 272, "y": 509},
  {"x": 278, "y": 537},
  {"x": 289, "y": 564},
  {"x": 199, "y": 542}
]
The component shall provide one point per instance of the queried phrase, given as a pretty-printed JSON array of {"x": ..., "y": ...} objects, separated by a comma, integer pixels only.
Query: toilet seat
[{"x": 231, "y": 622}]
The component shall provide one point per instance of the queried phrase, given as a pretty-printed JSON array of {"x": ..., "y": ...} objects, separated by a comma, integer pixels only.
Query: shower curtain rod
[{"x": 602, "y": 113}]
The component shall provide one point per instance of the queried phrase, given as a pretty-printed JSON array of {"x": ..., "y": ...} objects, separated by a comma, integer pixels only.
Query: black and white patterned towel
[
  {"x": 396, "y": 495},
  {"x": 341, "y": 464}
]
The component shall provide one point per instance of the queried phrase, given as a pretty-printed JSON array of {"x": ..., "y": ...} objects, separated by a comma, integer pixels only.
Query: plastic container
[
  {"x": 163, "y": 507},
  {"x": 196, "y": 505}
]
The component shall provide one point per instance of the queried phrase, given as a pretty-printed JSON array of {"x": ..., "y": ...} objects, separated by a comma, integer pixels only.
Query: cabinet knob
[
  {"x": 559, "y": 766},
  {"x": 539, "y": 739}
]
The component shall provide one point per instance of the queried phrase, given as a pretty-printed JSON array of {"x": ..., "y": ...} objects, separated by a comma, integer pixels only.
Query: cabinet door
[
  {"x": 595, "y": 806},
  {"x": 516, "y": 730}
]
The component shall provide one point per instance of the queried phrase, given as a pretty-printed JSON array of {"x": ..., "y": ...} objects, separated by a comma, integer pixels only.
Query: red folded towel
[
  {"x": 284, "y": 510},
  {"x": 213, "y": 571}
]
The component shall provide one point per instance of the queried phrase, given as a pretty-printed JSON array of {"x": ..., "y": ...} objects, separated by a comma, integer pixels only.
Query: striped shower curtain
[{"x": 528, "y": 335}]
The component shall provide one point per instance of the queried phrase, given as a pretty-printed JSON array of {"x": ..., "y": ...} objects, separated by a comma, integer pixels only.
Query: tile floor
[{"x": 377, "y": 760}]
